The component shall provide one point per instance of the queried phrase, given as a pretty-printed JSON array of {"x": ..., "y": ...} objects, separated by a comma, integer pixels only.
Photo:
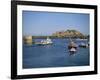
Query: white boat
[
  {"x": 45, "y": 42},
  {"x": 72, "y": 50},
  {"x": 78, "y": 39},
  {"x": 84, "y": 45},
  {"x": 72, "y": 46}
]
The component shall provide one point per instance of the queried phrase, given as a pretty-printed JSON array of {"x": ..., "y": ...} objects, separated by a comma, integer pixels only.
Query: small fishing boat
[
  {"x": 72, "y": 50},
  {"x": 84, "y": 45},
  {"x": 45, "y": 42},
  {"x": 72, "y": 47},
  {"x": 78, "y": 39}
]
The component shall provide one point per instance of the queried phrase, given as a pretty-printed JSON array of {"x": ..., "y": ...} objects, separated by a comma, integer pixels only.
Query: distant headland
[
  {"x": 64, "y": 34},
  {"x": 69, "y": 33}
]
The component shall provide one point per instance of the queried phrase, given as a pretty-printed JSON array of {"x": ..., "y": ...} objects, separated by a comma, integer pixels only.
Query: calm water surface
[{"x": 55, "y": 55}]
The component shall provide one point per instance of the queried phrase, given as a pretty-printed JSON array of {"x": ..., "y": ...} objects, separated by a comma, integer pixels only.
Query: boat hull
[{"x": 43, "y": 43}]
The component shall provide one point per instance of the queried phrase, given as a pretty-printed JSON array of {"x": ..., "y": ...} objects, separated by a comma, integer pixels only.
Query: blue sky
[{"x": 46, "y": 23}]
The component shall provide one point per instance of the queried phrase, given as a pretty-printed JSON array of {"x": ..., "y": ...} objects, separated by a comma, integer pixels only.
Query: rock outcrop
[{"x": 69, "y": 33}]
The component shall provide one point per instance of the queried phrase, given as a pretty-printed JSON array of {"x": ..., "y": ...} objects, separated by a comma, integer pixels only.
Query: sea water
[{"x": 54, "y": 55}]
